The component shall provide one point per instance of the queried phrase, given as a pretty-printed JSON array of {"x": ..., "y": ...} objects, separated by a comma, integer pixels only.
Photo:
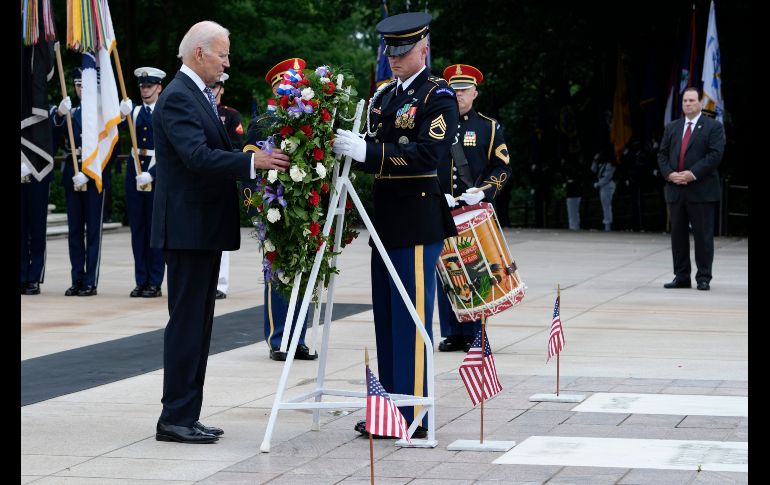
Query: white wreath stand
[{"x": 343, "y": 186}]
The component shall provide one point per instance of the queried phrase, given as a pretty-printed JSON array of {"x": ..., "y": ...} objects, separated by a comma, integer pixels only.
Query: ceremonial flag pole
[
  {"x": 483, "y": 378},
  {"x": 555, "y": 346},
  {"x": 371, "y": 441},
  {"x": 57, "y": 50}
]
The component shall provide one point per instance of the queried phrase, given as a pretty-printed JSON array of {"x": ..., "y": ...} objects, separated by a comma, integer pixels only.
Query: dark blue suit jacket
[
  {"x": 704, "y": 152},
  {"x": 196, "y": 196}
]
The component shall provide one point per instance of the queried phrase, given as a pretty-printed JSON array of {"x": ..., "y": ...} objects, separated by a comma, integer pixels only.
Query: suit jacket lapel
[
  {"x": 205, "y": 105},
  {"x": 677, "y": 142},
  {"x": 696, "y": 129}
]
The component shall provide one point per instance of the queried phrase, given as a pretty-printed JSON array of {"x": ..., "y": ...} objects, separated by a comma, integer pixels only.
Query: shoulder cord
[{"x": 377, "y": 95}]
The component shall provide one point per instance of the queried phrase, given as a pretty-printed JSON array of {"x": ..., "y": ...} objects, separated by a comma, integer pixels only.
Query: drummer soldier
[
  {"x": 409, "y": 131},
  {"x": 479, "y": 158}
]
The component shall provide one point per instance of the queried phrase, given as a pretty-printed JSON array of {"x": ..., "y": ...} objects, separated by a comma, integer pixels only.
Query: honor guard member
[
  {"x": 84, "y": 207},
  {"x": 231, "y": 118},
  {"x": 276, "y": 307},
  {"x": 149, "y": 265},
  {"x": 479, "y": 158},
  {"x": 409, "y": 131}
]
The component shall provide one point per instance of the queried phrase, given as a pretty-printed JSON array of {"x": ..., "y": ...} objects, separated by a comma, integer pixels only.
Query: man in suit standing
[
  {"x": 195, "y": 217},
  {"x": 410, "y": 127},
  {"x": 690, "y": 152}
]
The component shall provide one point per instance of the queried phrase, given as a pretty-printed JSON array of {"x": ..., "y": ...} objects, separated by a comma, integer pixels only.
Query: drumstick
[{"x": 473, "y": 190}]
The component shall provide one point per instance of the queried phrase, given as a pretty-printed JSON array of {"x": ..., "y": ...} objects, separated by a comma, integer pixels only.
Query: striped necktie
[{"x": 212, "y": 100}]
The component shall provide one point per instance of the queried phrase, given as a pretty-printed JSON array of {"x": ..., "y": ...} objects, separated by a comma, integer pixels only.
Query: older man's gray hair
[{"x": 200, "y": 35}]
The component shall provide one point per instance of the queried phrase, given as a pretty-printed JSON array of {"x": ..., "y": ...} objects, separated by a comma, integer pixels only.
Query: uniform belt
[
  {"x": 145, "y": 152},
  {"x": 432, "y": 173}
]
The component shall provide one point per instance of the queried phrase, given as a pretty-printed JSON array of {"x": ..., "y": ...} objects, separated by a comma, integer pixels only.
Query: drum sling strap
[{"x": 463, "y": 169}]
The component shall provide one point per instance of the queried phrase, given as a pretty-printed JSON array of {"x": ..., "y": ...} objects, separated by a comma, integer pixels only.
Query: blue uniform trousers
[
  {"x": 400, "y": 354},
  {"x": 148, "y": 262},
  {"x": 275, "y": 310},
  {"x": 449, "y": 323},
  {"x": 34, "y": 212},
  {"x": 84, "y": 221}
]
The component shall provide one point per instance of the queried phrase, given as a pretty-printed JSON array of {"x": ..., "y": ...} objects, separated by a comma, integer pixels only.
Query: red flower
[
  {"x": 318, "y": 154},
  {"x": 329, "y": 88},
  {"x": 303, "y": 82},
  {"x": 315, "y": 228},
  {"x": 314, "y": 103},
  {"x": 286, "y": 131},
  {"x": 314, "y": 198},
  {"x": 325, "y": 188},
  {"x": 348, "y": 239},
  {"x": 348, "y": 204},
  {"x": 307, "y": 130},
  {"x": 284, "y": 101},
  {"x": 271, "y": 256},
  {"x": 325, "y": 115}
]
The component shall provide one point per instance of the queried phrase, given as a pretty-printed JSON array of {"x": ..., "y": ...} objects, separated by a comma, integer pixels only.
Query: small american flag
[
  {"x": 470, "y": 371},
  {"x": 556, "y": 340},
  {"x": 382, "y": 416}
]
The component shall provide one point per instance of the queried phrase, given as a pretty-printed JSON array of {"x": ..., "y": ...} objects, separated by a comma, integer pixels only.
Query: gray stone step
[{"x": 57, "y": 226}]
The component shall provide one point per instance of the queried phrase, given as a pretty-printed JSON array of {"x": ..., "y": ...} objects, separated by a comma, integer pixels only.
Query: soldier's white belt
[{"x": 146, "y": 152}]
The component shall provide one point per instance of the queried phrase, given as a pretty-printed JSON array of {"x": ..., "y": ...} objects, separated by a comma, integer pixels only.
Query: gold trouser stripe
[
  {"x": 269, "y": 304},
  {"x": 419, "y": 305}
]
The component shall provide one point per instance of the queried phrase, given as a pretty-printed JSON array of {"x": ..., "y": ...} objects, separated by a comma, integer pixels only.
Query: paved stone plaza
[{"x": 624, "y": 334}]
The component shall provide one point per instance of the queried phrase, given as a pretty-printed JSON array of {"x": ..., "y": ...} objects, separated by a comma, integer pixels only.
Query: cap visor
[
  {"x": 456, "y": 86},
  {"x": 398, "y": 50}
]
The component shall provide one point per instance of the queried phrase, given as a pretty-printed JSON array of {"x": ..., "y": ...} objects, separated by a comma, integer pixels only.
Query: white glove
[
  {"x": 64, "y": 106},
  {"x": 349, "y": 144},
  {"x": 472, "y": 198},
  {"x": 126, "y": 106},
  {"x": 451, "y": 202},
  {"x": 25, "y": 170},
  {"x": 143, "y": 178},
  {"x": 79, "y": 179}
]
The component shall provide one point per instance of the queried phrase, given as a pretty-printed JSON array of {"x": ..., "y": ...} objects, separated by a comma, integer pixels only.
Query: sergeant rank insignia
[
  {"x": 405, "y": 116},
  {"x": 437, "y": 128},
  {"x": 469, "y": 140}
]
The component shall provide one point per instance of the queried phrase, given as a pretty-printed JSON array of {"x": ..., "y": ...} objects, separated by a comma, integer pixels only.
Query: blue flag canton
[
  {"x": 477, "y": 344},
  {"x": 373, "y": 386},
  {"x": 556, "y": 308}
]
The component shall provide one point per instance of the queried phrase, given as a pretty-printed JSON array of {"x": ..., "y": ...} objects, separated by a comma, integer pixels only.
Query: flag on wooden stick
[
  {"x": 471, "y": 371},
  {"x": 382, "y": 416},
  {"x": 556, "y": 340}
]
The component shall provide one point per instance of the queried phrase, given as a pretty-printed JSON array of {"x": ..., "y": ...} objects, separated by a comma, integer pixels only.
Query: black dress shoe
[
  {"x": 675, "y": 283},
  {"x": 361, "y": 428},
  {"x": 303, "y": 353},
  {"x": 276, "y": 354},
  {"x": 208, "y": 429},
  {"x": 221, "y": 295},
  {"x": 137, "y": 292},
  {"x": 32, "y": 289},
  {"x": 703, "y": 286},
  {"x": 72, "y": 290},
  {"x": 151, "y": 291},
  {"x": 452, "y": 343},
  {"x": 420, "y": 433},
  {"x": 87, "y": 290},
  {"x": 182, "y": 434}
]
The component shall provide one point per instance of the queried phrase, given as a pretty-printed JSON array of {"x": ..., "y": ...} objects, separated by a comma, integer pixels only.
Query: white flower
[
  {"x": 269, "y": 246},
  {"x": 296, "y": 173},
  {"x": 272, "y": 176},
  {"x": 340, "y": 77},
  {"x": 308, "y": 94},
  {"x": 284, "y": 279},
  {"x": 289, "y": 145},
  {"x": 324, "y": 79},
  {"x": 320, "y": 170},
  {"x": 273, "y": 215}
]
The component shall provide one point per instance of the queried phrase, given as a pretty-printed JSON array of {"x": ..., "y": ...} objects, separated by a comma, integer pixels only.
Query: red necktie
[{"x": 685, "y": 140}]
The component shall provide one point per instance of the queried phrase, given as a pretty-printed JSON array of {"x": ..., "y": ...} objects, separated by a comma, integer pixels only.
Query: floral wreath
[{"x": 291, "y": 205}]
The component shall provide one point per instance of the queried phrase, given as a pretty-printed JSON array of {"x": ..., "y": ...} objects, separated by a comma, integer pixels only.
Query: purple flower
[
  {"x": 260, "y": 227},
  {"x": 267, "y": 267},
  {"x": 322, "y": 71},
  {"x": 271, "y": 195}
]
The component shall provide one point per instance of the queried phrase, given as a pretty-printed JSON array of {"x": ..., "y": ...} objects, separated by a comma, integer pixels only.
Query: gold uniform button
[
  {"x": 144, "y": 139},
  {"x": 379, "y": 125},
  {"x": 145, "y": 128}
]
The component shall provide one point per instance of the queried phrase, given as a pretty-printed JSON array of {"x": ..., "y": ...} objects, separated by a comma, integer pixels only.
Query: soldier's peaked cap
[
  {"x": 275, "y": 74},
  {"x": 401, "y": 32},
  {"x": 149, "y": 75},
  {"x": 462, "y": 76},
  {"x": 224, "y": 77}
]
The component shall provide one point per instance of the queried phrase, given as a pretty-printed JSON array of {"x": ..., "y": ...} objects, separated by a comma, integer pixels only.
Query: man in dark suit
[
  {"x": 195, "y": 217},
  {"x": 410, "y": 127},
  {"x": 689, "y": 154}
]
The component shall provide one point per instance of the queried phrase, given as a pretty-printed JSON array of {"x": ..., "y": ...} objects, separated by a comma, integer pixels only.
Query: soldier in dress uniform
[
  {"x": 149, "y": 265},
  {"x": 479, "y": 158},
  {"x": 409, "y": 131},
  {"x": 231, "y": 118},
  {"x": 84, "y": 208},
  {"x": 276, "y": 307}
]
